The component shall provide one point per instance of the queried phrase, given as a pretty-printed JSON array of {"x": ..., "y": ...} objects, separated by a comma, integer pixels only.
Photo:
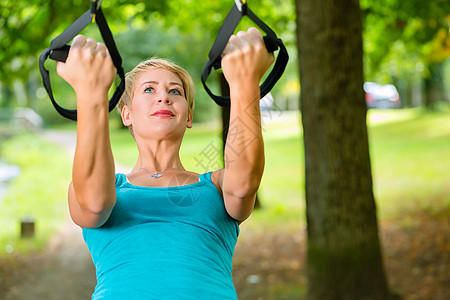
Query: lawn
[
  {"x": 410, "y": 160},
  {"x": 39, "y": 193}
]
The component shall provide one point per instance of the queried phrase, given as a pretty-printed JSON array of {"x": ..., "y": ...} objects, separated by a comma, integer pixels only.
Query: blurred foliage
[
  {"x": 26, "y": 27},
  {"x": 185, "y": 49},
  {"x": 205, "y": 18},
  {"x": 402, "y": 38},
  {"x": 182, "y": 30}
]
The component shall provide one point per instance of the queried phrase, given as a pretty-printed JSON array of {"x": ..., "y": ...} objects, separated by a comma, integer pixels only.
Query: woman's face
[{"x": 159, "y": 108}]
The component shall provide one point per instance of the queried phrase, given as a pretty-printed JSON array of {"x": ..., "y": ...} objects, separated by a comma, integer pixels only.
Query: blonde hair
[{"x": 155, "y": 63}]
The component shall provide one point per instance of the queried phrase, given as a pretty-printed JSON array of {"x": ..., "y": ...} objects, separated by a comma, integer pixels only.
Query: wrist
[
  {"x": 245, "y": 94},
  {"x": 92, "y": 100},
  {"x": 247, "y": 82}
]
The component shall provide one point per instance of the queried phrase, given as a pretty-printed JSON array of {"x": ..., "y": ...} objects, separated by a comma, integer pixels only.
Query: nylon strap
[
  {"x": 59, "y": 51},
  {"x": 271, "y": 41}
]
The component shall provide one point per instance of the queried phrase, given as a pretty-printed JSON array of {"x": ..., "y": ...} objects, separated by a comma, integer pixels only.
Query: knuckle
[{"x": 247, "y": 50}]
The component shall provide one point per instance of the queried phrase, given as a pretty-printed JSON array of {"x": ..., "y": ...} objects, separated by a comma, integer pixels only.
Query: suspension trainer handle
[
  {"x": 271, "y": 41},
  {"x": 59, "y": 50}
]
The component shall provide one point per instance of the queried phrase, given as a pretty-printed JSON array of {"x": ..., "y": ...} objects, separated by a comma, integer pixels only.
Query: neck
[{"x": 158, "y": 155}]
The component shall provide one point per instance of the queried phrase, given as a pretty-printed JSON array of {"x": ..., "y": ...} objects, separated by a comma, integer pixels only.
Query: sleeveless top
[{"x": 164, "y": 243}]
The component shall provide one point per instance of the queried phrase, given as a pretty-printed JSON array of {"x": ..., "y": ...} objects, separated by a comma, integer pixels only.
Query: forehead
[{"x": 158, "y": 75}]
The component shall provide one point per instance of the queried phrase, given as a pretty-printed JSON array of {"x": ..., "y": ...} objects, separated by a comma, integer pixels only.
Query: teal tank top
[{"x": 164, "y": 243}]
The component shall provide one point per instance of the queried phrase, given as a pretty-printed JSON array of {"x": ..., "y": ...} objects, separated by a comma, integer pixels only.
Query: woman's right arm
[{"x": 90, "y": 71}]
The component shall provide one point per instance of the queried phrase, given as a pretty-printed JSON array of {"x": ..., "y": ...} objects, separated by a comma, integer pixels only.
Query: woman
[{"x": 151, "y": 237}]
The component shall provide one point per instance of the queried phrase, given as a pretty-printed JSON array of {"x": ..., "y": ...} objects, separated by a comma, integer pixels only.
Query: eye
[
  {"x": 175, "y": 92},
  {"x": 149, "y": 90}
]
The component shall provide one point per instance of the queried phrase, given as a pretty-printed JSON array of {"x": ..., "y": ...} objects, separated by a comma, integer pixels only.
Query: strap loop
[
  {"x": 271, "y": 41},
  {"x": 59, "y": 50}
]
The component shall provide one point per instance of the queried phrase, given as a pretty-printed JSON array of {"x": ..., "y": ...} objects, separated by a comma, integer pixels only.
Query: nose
[
  {"x": 167, "y": 101},
  {"x": 163, "y": 97}
]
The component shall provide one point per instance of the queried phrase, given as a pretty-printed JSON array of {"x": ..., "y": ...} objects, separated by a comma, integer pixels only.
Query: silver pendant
[{"x": 156, "y": 175}]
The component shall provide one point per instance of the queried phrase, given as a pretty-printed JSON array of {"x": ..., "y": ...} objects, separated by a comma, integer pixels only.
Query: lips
[{"x": 163, "y": 113}]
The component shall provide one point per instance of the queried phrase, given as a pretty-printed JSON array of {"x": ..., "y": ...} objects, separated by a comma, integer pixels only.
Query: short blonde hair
[{"x": 155, "y": 63}]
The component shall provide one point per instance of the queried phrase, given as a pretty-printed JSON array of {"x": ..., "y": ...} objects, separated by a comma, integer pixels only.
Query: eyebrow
[{"x": 156, "y": 82}]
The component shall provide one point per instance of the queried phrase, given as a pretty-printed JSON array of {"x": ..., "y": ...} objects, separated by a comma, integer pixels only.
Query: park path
[{"x": 64, "y": 270}]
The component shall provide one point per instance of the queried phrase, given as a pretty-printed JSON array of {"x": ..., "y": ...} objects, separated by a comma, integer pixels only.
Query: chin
[{"x": 166, "y": 132}]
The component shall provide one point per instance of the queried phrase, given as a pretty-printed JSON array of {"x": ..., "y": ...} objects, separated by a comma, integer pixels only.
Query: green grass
[
  {"x": 410, "y": 160},
  {"x": 39, "y": 192}
]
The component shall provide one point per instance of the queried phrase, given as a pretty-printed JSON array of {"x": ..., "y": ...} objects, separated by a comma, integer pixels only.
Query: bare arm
[
  {"x": 244, "y": 63},
  {"x": 90, "y": 71}
]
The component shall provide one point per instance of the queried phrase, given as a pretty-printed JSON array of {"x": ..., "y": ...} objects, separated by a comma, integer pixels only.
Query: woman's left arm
[{"x": 244, "y": 62}]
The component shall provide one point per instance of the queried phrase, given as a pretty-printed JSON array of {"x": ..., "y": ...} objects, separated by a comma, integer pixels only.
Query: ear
[
  {"x": 189, "y": 121},
  {"x": 126, "y": 116}
]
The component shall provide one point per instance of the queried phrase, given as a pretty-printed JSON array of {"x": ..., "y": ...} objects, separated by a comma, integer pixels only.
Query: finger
[
  {"x": 232, "y": 39},
  {"x": 60, "y": 67},
  {"x": 242, "y": 40},
  {"x": 91, "y": 43},
  {"x": 230, "y": 46},
  {"x": 101, "y": 49},
  {"x": 241, "y": 34},
  {"x": 254, "y": 37},
  {"x": 254, "y": 33},
  {"x": 78, "y": 42}
]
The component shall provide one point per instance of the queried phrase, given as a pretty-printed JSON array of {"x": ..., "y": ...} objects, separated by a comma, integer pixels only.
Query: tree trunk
[
  {"x": 225, "y": 111},
  {"x": 409, "y": 94},
  {"x": 344, "y": 254},
  {"x": 7, "y": 95},
  {"x": 434, "y": 86}
]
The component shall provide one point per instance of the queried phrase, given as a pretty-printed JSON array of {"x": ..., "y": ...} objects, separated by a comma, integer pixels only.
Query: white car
[{"x": 381, "y": 96}]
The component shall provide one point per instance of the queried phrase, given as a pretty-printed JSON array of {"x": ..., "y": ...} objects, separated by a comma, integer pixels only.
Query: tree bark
[{"x": 344, "y": 254}]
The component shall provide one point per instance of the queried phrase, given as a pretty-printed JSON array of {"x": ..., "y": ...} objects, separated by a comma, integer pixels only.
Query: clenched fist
[
  {"x": 88, "y": 69},
  {"x": 245, "y": 59}
]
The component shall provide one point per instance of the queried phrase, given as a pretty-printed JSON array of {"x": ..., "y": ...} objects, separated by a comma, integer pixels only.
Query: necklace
[{"x": 155, "y": 175}]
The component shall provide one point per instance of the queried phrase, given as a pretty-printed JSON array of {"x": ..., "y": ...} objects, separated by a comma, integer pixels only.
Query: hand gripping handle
[
  {"x": 59, "y": 51},
  {"x": 271, "y": 42}
]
